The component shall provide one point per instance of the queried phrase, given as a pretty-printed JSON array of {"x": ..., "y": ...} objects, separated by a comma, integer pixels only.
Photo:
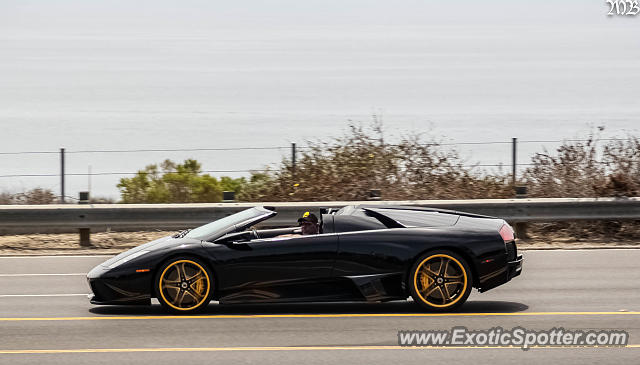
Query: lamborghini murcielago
[{"x": 361, "y": 253}]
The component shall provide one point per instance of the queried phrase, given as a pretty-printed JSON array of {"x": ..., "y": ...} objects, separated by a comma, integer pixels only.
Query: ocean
[{"x": 269, "y": 86}]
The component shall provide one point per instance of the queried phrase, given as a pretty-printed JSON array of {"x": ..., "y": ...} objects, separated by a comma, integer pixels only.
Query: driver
[{"x": 308, "y": 224}]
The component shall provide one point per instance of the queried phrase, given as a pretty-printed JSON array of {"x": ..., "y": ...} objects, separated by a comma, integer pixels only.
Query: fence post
[
  {"x": 293, "y": 160},
  {"x": 62, "y": 176},
  {"x": 514, "y": 162}
]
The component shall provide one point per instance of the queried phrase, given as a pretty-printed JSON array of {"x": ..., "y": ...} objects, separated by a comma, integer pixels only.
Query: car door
[{"x": 275, "y": 268}]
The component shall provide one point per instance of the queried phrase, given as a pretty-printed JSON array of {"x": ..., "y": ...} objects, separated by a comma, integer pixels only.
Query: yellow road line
[
  {"x": 287, "y": 348},
  {"x": 340, "y": 315}
]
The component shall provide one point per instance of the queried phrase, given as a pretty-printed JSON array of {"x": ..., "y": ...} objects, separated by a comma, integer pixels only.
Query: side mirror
[
  {"x": 239, "y": 245},
  {"x": 236, "y": 241}
]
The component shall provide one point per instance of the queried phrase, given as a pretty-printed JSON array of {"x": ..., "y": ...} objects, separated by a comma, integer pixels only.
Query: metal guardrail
[{"x": 16, "y": 219}]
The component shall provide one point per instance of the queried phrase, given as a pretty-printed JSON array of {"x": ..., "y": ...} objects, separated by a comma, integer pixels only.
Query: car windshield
[{"x": 223, "y": 224}]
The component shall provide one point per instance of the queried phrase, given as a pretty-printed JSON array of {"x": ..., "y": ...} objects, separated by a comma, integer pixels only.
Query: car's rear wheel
[
  {"x": 440, "y": 281},
  {"x": 184, "y": 285}
]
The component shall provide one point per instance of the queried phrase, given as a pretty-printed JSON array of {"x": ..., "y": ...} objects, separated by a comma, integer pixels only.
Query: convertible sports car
[{"x": 361, "y": 253}]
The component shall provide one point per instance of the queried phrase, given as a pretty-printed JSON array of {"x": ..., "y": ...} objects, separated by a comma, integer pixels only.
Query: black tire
[
  {"x": 440, "y": 281},
  {"x": 184, "y": 285}
]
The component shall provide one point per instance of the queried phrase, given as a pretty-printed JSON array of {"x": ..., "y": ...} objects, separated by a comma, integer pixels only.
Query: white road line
[
  {"x": 66, "y": 274},
  {"x": 40, "y": 295}
]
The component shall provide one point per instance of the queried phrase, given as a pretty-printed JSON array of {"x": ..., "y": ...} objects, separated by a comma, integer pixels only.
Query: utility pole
[{"x": 62, "y": 176}]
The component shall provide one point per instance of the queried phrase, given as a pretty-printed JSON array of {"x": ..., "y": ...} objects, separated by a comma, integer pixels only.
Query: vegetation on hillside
[
  {"x": 172, "y": 182},
  {"x": 588, "y": 169},
  {"x": 413, "y": 167},
  {"x": 348, "y": 167},
  {"x": 33, "y": 196}
]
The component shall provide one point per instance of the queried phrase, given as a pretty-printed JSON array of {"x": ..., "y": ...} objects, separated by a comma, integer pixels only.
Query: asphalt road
[{"x": 45, "y": 318}]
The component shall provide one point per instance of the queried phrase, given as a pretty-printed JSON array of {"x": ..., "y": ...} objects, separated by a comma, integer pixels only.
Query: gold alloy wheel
[
  {"x": 440, "y": 280},
  {"x": 184, "y": 285}
]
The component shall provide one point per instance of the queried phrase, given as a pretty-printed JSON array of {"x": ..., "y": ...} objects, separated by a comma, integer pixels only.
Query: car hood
[{"x": 160, "y": 243}]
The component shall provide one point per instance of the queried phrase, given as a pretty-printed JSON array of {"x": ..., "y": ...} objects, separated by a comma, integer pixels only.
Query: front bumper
[{"x": 119, "y": 288}]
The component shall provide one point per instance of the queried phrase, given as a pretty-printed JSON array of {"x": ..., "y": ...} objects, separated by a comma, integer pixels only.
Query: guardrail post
[
  {"x": 374, "y": 194},
  {"x": 85, "y": 237},
  {"x": 85, "y": 232},
  {"x": 84, "y": 197},
  {"x": 521, "y": 227},
  {"x": 228, "y": 196}
]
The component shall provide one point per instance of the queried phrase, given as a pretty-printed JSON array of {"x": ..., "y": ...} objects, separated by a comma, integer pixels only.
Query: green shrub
[{"x": 176, "y": 183}]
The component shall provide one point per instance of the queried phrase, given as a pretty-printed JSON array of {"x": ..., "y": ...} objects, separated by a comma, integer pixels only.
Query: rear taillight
[{"x": 506, "y": 232}]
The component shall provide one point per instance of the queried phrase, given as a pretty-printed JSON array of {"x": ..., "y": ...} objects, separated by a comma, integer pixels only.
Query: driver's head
[{"x": 309, "y": 223}]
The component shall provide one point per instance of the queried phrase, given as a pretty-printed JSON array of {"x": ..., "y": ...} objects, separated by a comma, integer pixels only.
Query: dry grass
[
  {"x": 102, "y": 242},
  {"x": 591, "y": 168},
  {"x": 348, "y": 167},
  {"x": 33, "y": 196}
]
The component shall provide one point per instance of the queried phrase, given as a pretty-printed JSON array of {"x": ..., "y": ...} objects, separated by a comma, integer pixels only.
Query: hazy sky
[{"x": 119, "y": 15}]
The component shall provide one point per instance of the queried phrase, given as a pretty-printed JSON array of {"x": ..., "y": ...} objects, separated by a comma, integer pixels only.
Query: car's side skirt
[{"x": 373, "y": 288}]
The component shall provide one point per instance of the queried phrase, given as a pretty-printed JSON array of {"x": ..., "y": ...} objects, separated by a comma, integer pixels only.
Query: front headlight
[{"x": 127, "y": 258}]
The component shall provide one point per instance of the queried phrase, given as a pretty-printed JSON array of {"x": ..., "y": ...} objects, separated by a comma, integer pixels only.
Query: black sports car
[{"x": 361, "y": 253}]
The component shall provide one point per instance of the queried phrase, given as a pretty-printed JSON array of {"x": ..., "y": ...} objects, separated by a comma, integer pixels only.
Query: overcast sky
[{"x": 86, "y": 16}]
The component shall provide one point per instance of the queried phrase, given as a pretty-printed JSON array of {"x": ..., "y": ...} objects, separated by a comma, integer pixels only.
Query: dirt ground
[
  {"x": 69, "y": 243},
  {"x": 116, "y": 242}
]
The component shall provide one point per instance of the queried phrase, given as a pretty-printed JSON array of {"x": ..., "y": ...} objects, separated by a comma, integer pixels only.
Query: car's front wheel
[
  {"x": 440, "y": 281},
  {"x": 184, "y": 285}
]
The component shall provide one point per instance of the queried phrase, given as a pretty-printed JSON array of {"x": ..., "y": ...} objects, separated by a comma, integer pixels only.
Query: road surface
[{"x": 45, "y": 318}]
